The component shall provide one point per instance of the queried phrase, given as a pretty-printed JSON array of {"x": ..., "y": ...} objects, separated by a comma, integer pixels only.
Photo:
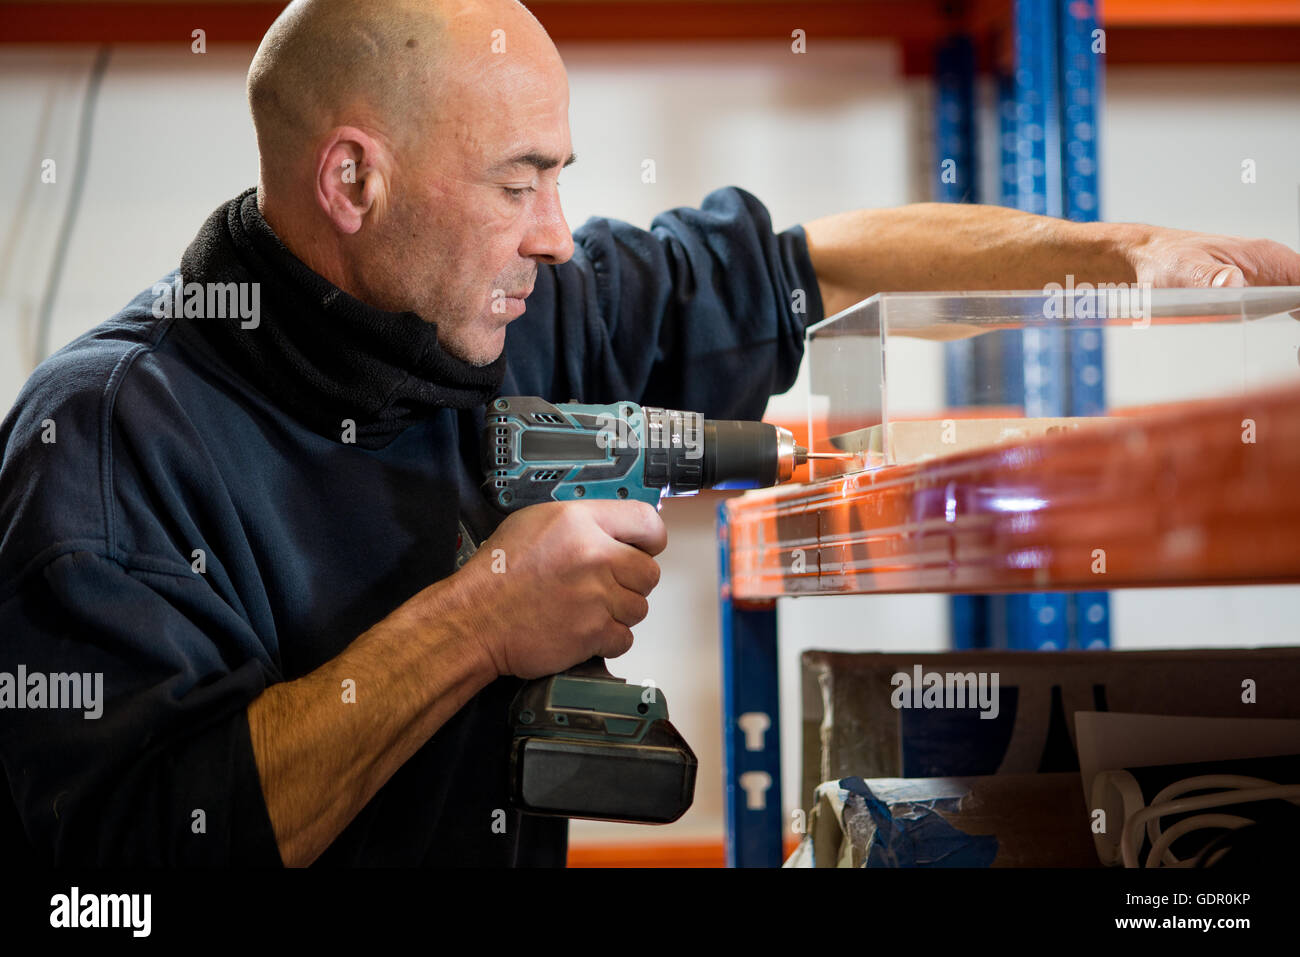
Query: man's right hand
[
  {"x": 555, "y": 585},
  {"x": 561, "y": 582}
]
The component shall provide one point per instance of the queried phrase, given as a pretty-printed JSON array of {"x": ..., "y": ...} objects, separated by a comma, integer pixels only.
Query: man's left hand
[{"x": 1176, "y": 257}]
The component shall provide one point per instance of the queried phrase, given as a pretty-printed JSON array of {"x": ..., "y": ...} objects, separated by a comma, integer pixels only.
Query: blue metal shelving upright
[
  {"x": 1037, "y": 620},
  {"x": 1047, "y": 109},
  {"x": 1081, "y": 79},
  {"x": 1047, "y": 112},
  {"x": 751, "y": 717},
  {"x": 956, "y": 180}
]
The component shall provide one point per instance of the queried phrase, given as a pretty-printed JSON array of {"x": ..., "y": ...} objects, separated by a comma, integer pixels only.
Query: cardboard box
[
  {"x": 1005, "y": 820},
  {"x": 851, "y": 727}
]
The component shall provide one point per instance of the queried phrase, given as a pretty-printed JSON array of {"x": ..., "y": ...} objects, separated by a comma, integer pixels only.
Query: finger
[
  {"x": 634, "y": 523},
  {"x": 634, "y": 569},
  {"x": 1228, "y": 276},
  {"x": 1204, "y": 271},
  {"x": 627, "y": 607},
  {"x": 616, "y": 640}
]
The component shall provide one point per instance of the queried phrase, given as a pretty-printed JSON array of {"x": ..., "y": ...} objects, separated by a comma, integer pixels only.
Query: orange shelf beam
[
  {"x": 566, "y": 20},
  {"x": 1138, "y": 31},
  {"x": 1199, "y": 13},
  {"x": 1172, "y": 498},
  {"x": 706, "y": 853}
]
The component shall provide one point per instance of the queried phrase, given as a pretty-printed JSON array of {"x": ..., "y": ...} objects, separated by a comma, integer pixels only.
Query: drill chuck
[{"x": 747, "y": 454}]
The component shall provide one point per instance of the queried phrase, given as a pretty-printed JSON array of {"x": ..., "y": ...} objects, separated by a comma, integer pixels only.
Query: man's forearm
[
  {"x": 321, "y": 757},
  {"x": 949, "y": 246}
]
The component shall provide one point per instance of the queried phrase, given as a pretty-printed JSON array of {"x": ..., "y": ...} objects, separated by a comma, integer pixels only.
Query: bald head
[
  {"x": 410, "y": 153},
  {"x": 386, "y": 65},
  {"x": 324, "y": 63}
]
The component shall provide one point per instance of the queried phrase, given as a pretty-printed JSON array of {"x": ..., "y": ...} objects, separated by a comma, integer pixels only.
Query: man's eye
[{"x": 517, "y": 192}]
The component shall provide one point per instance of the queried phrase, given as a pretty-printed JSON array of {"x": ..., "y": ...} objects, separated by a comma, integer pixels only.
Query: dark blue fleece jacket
[{"x": 148, "y": 441}]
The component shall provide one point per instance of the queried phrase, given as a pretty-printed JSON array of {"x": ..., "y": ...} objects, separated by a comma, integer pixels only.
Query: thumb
[{"x": 1228, "y": 276}]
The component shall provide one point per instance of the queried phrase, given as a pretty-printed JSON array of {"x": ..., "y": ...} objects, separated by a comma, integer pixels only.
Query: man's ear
[{"x": 352, "y": 178}]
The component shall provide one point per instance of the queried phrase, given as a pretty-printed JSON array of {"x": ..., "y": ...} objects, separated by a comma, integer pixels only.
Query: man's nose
[{"x": 548, "y": 239}]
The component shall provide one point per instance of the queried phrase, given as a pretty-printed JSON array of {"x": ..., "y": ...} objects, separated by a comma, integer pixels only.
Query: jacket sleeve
[
  {"x": 704, "y": 311},
  {"x": 154, "y": 763}
]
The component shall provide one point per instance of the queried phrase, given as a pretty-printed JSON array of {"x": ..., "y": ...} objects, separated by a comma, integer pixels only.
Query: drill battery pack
[{"x": 589, "y": 745}]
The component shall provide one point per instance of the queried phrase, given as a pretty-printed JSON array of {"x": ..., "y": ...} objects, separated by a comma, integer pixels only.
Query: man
[{"x": 251, "y": 524}]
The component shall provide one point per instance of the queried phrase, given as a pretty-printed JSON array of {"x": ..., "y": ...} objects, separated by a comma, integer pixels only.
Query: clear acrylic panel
[{"x": 903, "y": 377}]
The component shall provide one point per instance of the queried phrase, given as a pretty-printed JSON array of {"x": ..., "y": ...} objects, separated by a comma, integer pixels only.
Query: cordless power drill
[{"x": 585, "y": 743}]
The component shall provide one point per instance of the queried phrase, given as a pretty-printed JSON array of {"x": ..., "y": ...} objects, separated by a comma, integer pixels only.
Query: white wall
[
  {"x": 172, "y": 141},
  {"x": 813, "y": 134}
]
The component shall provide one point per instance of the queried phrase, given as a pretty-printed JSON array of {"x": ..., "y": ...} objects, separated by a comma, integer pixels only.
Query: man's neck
[{"x": 315, "y": 248}]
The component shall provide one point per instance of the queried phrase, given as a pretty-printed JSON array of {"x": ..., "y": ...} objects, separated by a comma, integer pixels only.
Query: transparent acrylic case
[{"x": 903, "y": 377}]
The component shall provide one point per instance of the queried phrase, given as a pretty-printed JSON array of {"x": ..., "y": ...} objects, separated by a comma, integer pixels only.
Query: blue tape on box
[{"x": 914, "y": 834}]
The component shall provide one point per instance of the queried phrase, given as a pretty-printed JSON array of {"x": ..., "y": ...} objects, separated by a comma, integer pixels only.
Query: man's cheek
[{"x": 498, "y": 214}]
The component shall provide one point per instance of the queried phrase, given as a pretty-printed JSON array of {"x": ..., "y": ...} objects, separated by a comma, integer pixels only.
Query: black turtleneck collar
[{"x": 321, "y": 354}]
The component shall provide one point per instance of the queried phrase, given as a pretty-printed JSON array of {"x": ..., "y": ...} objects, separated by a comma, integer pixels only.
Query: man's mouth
[{"x": 511, "y": 305}]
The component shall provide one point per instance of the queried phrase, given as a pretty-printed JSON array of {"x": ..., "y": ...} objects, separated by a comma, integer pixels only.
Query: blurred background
[{"x": 147, "y": 136}]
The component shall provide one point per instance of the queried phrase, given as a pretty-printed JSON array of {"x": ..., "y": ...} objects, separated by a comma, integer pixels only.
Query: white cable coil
[{"x": 1230, "y": 789}]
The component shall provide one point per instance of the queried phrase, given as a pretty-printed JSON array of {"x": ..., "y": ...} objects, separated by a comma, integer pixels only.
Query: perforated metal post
[
  {"x": 1038, "y": 620},
  {"x": 956, "y": 180},
  {"x": 751, "y": 713},
  {"x": 1081, "y": 80}
]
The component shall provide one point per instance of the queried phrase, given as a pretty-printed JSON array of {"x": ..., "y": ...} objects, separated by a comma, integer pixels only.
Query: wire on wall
[{"x": 85, "y": 131}]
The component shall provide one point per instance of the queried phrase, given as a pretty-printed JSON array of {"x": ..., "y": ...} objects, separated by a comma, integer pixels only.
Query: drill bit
[{"x": 802, "y": 455}]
